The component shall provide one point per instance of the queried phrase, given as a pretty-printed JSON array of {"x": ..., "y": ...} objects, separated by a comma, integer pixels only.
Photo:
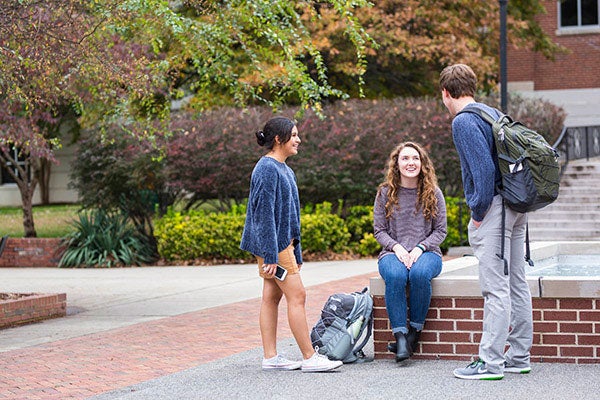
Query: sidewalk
[{"x": 192, "y": 333}]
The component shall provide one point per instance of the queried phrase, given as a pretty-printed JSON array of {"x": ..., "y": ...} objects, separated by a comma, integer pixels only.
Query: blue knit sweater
[
  {"x": 273, "y": 212},
  {"x": 474, "y": 141}
]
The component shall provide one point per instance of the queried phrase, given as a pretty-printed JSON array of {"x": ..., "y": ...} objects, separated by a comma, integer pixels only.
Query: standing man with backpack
[{"x": 507, "y": 314}]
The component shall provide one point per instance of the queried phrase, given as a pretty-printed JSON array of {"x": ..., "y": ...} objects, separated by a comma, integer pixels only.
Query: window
[
  {"x": 578, "y": 13},
  {"x": 5, "y": 176}
]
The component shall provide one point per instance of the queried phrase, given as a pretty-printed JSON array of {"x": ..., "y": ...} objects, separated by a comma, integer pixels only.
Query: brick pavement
[{"x": 85, "y": 366}]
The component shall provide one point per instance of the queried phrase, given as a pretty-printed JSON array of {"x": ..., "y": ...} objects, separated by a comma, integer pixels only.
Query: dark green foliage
[
  {"x": 457, "y": 216},
  {"x": 103, "y": 239},
  {"x": 120, "y": 172},
  {"x": 324, "y": 231},
  {"x": 197, "y": 235},
  {"x": 359, "y": 221}
]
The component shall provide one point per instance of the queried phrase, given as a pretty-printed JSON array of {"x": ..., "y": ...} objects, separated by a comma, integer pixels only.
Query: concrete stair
[{"x": 575, "y": 215}]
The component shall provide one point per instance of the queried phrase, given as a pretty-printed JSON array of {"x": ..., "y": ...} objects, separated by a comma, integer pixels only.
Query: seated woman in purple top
[{"x": 409, "y": 224}]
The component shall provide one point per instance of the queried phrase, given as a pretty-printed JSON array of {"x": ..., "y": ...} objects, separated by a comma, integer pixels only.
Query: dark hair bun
[{"x": 260, "y": 138}]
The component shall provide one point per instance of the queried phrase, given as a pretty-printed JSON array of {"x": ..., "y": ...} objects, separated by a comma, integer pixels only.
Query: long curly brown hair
[{"x": 426, "y": 199}]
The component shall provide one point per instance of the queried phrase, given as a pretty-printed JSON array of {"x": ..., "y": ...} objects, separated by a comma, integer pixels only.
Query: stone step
[
  {"x": 579, "y": 190},
  {"x": 578, "y": 198},
  {"x": 561, "y": 224},
  {"x": 568, "y": 181},
  {"x": 575, "y": 215},
  {"x": 562, "y": 206},
  {"x": 582, "y": 165},
  {"x": 569, "y": 216},
  {"x": 579, "y": 181},
  {"x": 563, "y": 234}
]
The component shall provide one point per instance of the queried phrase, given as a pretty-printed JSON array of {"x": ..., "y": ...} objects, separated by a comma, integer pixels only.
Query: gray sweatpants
[{"x": 507, "y": 314}]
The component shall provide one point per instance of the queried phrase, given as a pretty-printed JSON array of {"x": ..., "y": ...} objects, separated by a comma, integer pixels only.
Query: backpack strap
[
  {"x": 357, "y": 350},
  {"x": 482, "y": 113},
  {"x": 366, "y": 338},
  {"x": 527, "y": 252}
]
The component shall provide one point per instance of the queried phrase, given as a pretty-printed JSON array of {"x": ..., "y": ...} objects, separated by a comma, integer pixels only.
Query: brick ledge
[{"x": 32, "y": 308}]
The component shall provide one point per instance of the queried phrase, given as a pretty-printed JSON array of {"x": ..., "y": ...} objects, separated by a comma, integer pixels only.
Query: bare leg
[
  {"x": 268, "y": 316},
  {"x": 295, "y": 295}
]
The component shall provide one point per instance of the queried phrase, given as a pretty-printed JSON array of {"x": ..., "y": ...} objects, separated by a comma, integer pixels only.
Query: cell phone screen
[{"x": 280, "y": 273}]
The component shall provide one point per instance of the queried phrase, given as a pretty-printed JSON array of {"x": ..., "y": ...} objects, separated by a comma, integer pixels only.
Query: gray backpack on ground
[{"x": 345, "y": 326}]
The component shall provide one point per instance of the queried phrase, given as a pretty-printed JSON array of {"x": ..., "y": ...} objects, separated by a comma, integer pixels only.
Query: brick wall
[
  {"x": 32, "y": 308},
  {"x": 31, "y": 252},
  {"x": 577, "y": 69},
  {"x": 565, "y": 330}
]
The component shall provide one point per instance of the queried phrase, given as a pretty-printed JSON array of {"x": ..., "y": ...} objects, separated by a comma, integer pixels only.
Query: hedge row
[{"x": 202, "y": 236}]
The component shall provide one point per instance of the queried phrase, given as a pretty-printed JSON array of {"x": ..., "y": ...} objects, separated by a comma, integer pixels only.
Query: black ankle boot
[
  {"x": 412, "y": 338},
  {"x": 402, "y": 352}
]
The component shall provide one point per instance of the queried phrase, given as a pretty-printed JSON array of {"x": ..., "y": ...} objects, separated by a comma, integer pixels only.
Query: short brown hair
[{"x": 459, "y": 80}]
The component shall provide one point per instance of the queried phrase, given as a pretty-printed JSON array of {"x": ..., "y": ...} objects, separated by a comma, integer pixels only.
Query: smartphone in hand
[{"x": 280, "y": 273}]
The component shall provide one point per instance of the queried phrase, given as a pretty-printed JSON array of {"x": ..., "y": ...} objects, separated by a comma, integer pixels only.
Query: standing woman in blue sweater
[
  {"x": 409, "y": 220},
  {"x": 272, "y": 234}
]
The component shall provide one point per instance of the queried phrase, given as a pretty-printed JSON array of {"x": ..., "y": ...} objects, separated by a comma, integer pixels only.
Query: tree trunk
[
  {"x": 26, "y": 179},
  {"x": 44, "y": 181},
  {"x": 27, "y": 200}
]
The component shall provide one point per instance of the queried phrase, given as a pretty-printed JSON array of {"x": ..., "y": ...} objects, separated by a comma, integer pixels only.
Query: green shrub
[
  {"x": 323, "y": 231},
  {"x": 367, "y": 246},
  {"x": 200, "y": 235},
  {"x": 359, "y": 221},
  {"x": 457, "y": 215},
  {"x": 102, "y": 239}
]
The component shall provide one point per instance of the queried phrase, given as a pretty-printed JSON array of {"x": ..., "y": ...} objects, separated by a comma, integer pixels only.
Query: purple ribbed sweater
[{"x": 406, "y": 225}]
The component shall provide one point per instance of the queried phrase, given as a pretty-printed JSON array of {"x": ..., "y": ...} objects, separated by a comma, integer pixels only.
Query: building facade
[{"x": 574, "y": 24}]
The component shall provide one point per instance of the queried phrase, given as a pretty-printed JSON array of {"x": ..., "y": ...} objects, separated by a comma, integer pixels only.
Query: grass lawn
[{"x": 50, "y": 221}]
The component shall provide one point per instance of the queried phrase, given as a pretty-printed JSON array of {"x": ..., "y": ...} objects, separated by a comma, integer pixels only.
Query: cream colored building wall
[{"x": 59, "y": 180}]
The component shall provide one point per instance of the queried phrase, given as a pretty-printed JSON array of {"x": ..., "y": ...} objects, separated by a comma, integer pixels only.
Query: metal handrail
[
  {"x": 577, "y": 142},
  {"x": 563, "y": 136}
]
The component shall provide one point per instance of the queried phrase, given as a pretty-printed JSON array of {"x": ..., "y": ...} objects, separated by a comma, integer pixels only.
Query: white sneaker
[
  {"x": 280, "y": 363},
  {"x": 319, "y": 363}
]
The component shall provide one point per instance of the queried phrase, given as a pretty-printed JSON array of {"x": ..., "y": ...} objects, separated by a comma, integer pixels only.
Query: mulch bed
[{"x": 14, "y": 296}]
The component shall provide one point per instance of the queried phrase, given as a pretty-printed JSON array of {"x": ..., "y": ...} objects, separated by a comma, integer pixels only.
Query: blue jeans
[{"x": 418, "y": 279}]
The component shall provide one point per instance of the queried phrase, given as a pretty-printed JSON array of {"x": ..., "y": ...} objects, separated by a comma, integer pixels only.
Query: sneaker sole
[
  {"x": 481, "y": 377},
  {"x": 288, "y": 368},
  {"x": 515, "y": 370},
  {"x": 320, "y": 369}
]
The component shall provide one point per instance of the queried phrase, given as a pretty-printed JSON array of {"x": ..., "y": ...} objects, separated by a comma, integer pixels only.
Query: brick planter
[
  {"x": 32, "y": 307},
  {"x": 565, "y": 330},
  {"x": 566, "y": 312},
  {"x": 30, "y": 252}
]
